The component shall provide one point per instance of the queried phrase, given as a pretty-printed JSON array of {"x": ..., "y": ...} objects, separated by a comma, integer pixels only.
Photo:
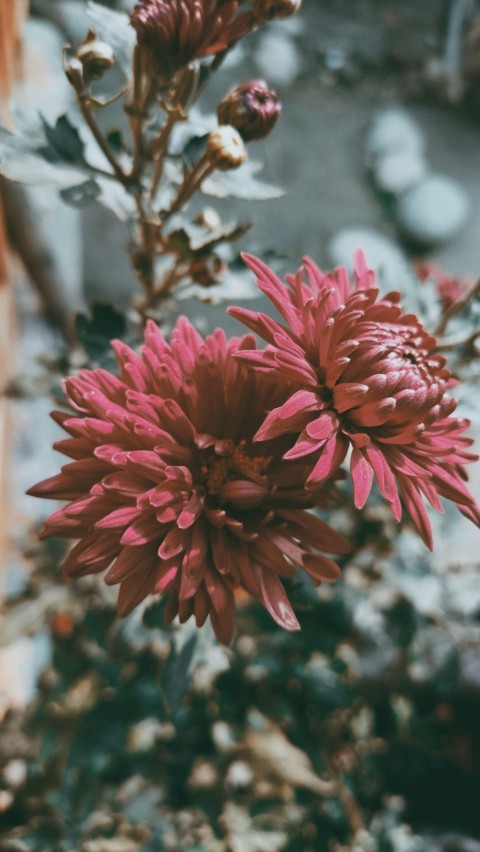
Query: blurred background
[{"x": 123, "y": 736}]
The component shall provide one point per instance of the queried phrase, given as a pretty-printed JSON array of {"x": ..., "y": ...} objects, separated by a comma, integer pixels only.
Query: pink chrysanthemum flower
[
  {"x": 368, "y": 379},
  {"x": 174, "y": 32},
  {"x": 168, "y": 491}
]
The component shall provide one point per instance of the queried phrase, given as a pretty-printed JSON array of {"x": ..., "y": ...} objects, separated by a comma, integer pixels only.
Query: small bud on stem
[
  {"x": 96, "y": 57},
  {"x": 225, "y": 148},
  {"x": 267, "y": 10},
  {"x": 252, "y": 109}
]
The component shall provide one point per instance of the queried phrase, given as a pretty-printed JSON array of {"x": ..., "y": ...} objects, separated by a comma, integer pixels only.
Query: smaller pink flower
[{"x": 367, "y": 381}]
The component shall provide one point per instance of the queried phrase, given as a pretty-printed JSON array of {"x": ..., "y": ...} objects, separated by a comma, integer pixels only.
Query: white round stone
[
  {"x": 434, "y": 211},
  {"x": 393, "y": 130},
  {"x": 278, "y": 58},
  {"x": 381, "y": 253},
  {"x": 399, "y": 171}
]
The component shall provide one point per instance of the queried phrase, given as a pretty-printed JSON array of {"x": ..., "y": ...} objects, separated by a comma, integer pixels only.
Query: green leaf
[
  {"x": 190, "y": 647},
  {"x": 19, "y": 163},
  {"x": 116, "y": 30},
  {"x": 81, "y": 194},
  {"x": 64, "y": 141},
  {"x": 96, "y": 332},
  {"x": 241, "y": 183}
]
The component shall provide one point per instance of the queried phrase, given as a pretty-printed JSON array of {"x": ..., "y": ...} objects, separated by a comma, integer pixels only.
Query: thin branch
[{"x": 101, "y": 141}]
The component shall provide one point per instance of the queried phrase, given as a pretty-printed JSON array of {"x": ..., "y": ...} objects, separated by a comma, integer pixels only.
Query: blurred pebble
[
  {"x": 393, "y": 131},
  {"x": 434, "y": 211},
  {"x": 381, "y": 253},
  {"x": 203, "y": 776},
  {"x": 399, "y": 170},
  {"x": 239, "y": 774},
  {"x": 278, "y": 58}
]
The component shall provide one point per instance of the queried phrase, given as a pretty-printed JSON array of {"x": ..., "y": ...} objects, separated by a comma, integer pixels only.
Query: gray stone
[
  {"x": 278, "y": 58},
  {"x": 434, "y": 211},
  {"x": 392, "y": 131},
  {"x": 400, "y": 170},
  {"x": 381, "y": 254}
]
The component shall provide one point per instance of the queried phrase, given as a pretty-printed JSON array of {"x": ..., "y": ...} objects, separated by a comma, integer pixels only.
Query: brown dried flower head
[
  {"x": 252, "y": 108},
  {"x": 266, "y": 10},
  {"x": 172, "y": 33},
  {"x": 96, "y": 57},
  {"x": 225, "y": 148}
]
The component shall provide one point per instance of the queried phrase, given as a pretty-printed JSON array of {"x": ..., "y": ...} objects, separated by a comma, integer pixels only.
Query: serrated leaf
[
  {"x": 64, "y": 141},
  {"x": 81, "y": 194},
  {"x": 19, "y": 163},
  {"x": 190, "y": 648},
  {"x": 116, "y": 30},
  {"x": 96, "y": 332},
  {"x": 241, "y": 183}
]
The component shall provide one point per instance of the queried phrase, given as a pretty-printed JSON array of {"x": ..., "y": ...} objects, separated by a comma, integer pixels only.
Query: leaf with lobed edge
[
  {"x": 31, "y": 168},
  {"x": 241, "y": 183}
]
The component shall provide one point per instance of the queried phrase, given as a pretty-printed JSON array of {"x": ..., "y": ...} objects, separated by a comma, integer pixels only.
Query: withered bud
[
  {"x": 209, "y": 218},
  {"x": 207, "y": 271},
  {"x": 96, "y": 57},
  {"x": 252, "y": 108},
  {"x": 266, "y": 10},
  {"x": 226, "y": 149},
  {"x": 74, "y": 70}
]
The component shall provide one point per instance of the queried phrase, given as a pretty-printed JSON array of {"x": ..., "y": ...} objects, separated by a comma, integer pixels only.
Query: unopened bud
[
  {"x": 226, "y": 149},
  {"x": 74, "y": 70},
  {"x": 96, "y": 57},
  {"x": 251, "y": 108},
  {"x": 266, "y": 10},
  {"x": 208, "y": 270},
  {"x": 209, "y": 218}
]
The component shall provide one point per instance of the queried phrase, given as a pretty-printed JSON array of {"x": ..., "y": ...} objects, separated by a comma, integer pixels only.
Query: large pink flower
[
  {"x": 174, "y": 32},
  {"x": 168, "y": 491},
  {"x": 367, "y": 378}
]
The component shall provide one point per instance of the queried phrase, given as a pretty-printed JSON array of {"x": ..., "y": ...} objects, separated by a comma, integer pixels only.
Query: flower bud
[
  {"x": 96, "y": 57},
  {"x": 266, "y": 10},
  {"x": 225, "y": 148},
  {"x": 74, "y": 70},
  {"x": 208, "y": 271},
  {"x": 251, "y": 108}
]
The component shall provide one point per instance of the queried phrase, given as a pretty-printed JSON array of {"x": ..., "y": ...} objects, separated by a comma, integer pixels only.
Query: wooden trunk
[{"x": 12, "y": 15}]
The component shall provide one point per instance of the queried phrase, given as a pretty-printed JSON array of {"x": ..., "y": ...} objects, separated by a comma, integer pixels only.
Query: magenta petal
[
  {"x": 303, "y": 446},
  {"x": 362, "y": 478},
  {"x": 383, "y": 474},
  {"x": 190, "y": 512},
  {"x": 119, "y": 518},
  {"x": 330, "y": 459},
  {"x": 321, "y": 428},
  {"x": 243, "y": 494},
  {"x": 320, "y": 568},
  {"x": 292, "y": 416},
  {"x": 416, "y": 509},
  {"x": 275, "y": 599}
]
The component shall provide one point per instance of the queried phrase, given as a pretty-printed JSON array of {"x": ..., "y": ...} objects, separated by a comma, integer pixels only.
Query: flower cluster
[
  {"x": 194, "y": 474},
  {"x": 169, "y": 492},
  {"x": 366, "y": 379}
]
